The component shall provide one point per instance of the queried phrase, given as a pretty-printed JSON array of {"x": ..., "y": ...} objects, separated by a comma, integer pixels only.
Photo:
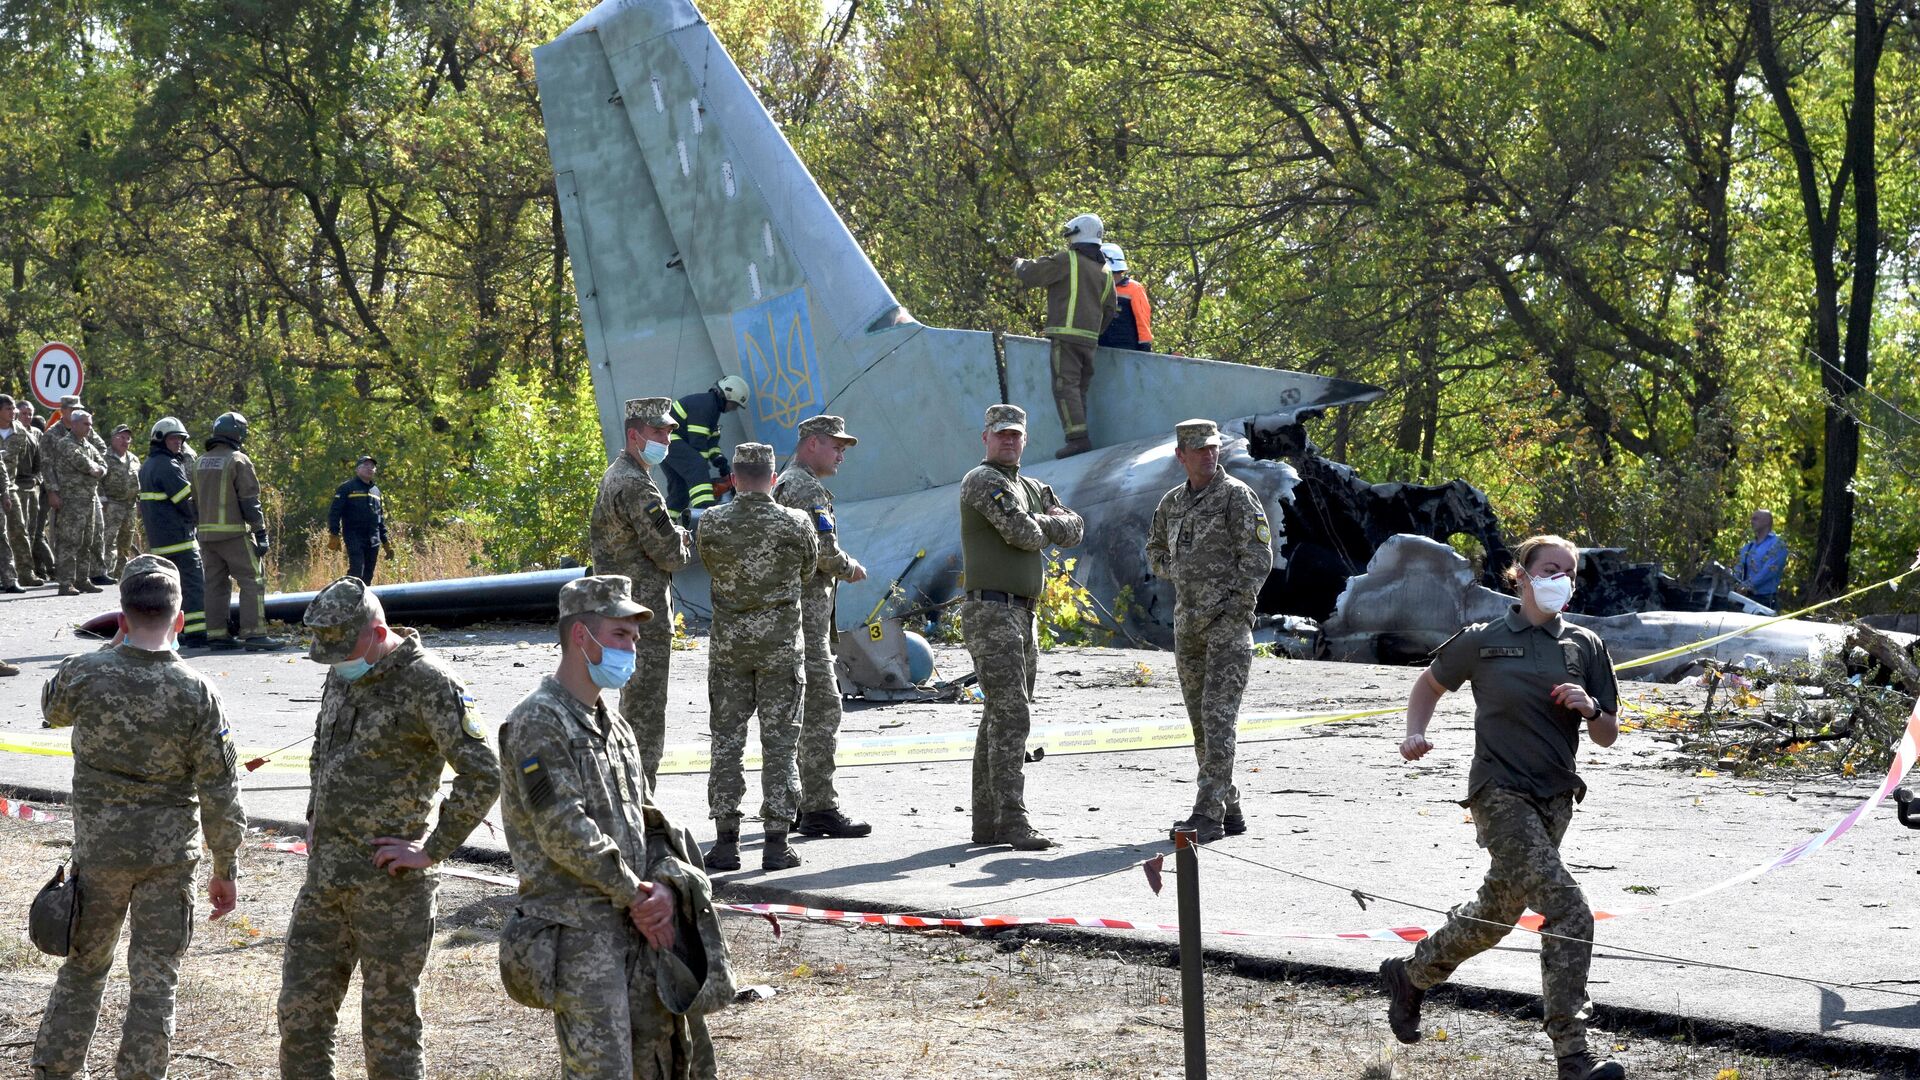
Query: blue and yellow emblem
[
  {"x": 469, "y": 721},
  {"x": 775, "y": 342}
]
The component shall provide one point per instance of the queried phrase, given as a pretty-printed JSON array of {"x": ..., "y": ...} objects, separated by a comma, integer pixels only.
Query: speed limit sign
[{"x": 56, "y": 373}]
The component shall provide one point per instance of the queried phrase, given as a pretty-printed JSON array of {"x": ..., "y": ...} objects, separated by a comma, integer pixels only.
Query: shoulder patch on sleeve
[
  {"x": 1003, "y": 499},
  {"x": 822, "y": 519},
  {"x": 657, "y": 513},
  {"x": 536, "y": 783},
  {"x": 470, "y": 717},
  {"x": 228, "y": 752}
]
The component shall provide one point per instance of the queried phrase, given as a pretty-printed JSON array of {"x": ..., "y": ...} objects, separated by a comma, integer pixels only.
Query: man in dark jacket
[
  {"x": 358, "y": 516},
  {"x": 697, "y": 472},
  {"x": 168, "y": 515}
]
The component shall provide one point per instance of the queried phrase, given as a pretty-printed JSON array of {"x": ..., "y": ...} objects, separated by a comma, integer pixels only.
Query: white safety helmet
[
  {"x": 733, "y": 388},
  {"x": 1084, "y": 229},
  {"x": 1116, "y": 259}
]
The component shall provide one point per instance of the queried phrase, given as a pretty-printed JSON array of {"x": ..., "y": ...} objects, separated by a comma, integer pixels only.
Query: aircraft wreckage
[{"x": 701, "y": 247}]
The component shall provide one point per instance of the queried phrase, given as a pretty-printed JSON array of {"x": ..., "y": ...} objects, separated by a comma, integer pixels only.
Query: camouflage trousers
[
  {"x": 1000, "y": 639},
  {"x": 820, "y": 714},
  {"x": 1214, "y": 659},
  {"x": 158, "y": 902},
  {"x": 19, "y": 530},
  {"x": 643, "y": 700},
  {"x": 1072, "y": 376},
  {"x": 383, "y": 924},
  {"x": 232, "y": 557},
  {"x": 1523, "y": 835},
  {"x": 609, "y": 1018},
  {"x": 76, "y": 537},
  {"x": 117, "y": 535},
  {"x": 43, "y": 560},
  {"x": 8, "y": 576},
  {"x": 744, "y": 678}
]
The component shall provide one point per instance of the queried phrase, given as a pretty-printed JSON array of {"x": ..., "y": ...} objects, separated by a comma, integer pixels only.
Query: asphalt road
[{"x": 1332, "y": 801}]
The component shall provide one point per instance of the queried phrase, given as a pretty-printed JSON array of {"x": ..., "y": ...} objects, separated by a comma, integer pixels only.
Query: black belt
[{"x": 995, "y": 596}]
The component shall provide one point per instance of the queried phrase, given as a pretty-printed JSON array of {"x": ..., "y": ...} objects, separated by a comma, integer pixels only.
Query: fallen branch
[{"x": 1888, "y": 653}]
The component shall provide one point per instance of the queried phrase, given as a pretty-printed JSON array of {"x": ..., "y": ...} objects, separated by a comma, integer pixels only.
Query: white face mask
[{"x": 1552, "y": 593}]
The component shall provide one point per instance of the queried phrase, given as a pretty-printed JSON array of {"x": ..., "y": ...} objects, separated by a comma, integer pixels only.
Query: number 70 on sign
[{"x": 56, "y": 373}]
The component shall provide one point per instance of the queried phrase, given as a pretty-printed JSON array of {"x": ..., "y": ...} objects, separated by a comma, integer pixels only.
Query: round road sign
[{"x": 56, "y": 373}]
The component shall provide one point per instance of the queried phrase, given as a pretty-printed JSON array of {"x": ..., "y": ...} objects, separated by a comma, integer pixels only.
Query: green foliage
[
  {"x": 1067, "y": 612},
  {"x": 1567, "y": 238},
  {"x": 531, "y": 486}
]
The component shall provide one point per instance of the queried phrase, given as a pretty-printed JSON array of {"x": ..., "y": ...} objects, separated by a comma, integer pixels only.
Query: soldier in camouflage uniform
[
  {"x": 10, "y": 438},
  {"x": 36, "y": 462},
  {"x": 611, "y": 892},
  {"x": 1005, "y": 521},
  {"x": 391, "y": 717},
  {"x": 760, "y": 555},
  {"x": 119, "y": 500},
  {"x": 1210, "y": 538},
  {"x": 20, "y": 461},
  {"x": 77, "y": 469},
  {"x": 634, "y": 536},
  {"x": 1536, "y": 679},
  {"x": 150, "y": 748},
  {"x": 823, "y": 445}
]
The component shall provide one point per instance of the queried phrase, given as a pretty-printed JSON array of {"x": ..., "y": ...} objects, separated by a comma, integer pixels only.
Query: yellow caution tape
[
  {"x": 1057, "y": 740},
  {"x": 47, "y": 744},
  {"x": 1682, "y": 650}
]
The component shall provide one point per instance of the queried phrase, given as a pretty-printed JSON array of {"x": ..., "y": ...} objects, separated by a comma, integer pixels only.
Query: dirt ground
[{"x": 846, "y": 1003}]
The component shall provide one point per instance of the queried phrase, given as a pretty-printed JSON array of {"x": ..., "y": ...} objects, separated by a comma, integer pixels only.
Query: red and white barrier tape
[
  {"x": 12, "y": 809},
  {"x": 1903, "y": 762}
]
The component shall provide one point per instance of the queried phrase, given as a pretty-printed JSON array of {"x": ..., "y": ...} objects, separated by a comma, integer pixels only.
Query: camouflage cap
[
  {"x": 610, "y": 595},
  {"x": 826, "y": 425},
  {"x": 1194, "y": 434},
  {"x": 366, "y": 459},
  {"x": 753, "y": 453},
  {"x": 336, "y": 616},
  {"x": 1004, "y": 417},
  {"x": 121, "y": 428},
  {"x": 142, "y": 565},
  {"x": 71, "y": 401},
  {"x": 652, "y": 411}
]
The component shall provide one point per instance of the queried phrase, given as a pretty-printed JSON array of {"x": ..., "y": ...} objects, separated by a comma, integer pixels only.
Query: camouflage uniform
[
  {"x": 1215, "y": 546},
  {"x": 9, "y": 503},
  {"x": 760, "y": 555},
  {"x": 119, "y": 503},
  {"x": 77, "y": 469},
  {"x": 633, "y": 535},
  {"x": 1005, "y": 518},
  {"x": 798, "y": 489},
  {"x": 43, "y": 562},
  {"x": 378, "y": 751},
  {"x": 584, "y": 833},
  {"x": 151, "y": 751},
  {"x": 1522, "y": 787},
  {"x": 20, "y": 460}
]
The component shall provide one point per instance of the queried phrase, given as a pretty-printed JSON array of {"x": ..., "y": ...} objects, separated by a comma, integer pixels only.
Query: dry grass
[
  {"x": 451, "y": 551},
  {"x": 848, "y": 1003}
]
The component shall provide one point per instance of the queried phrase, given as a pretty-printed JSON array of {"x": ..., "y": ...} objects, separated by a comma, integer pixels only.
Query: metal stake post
[{"x": 1193, "y": 999}]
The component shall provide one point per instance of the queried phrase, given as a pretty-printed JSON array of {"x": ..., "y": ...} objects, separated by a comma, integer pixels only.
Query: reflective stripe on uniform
[
  {"x": 712, "y": 451},
  {"x": 696, "y": 429},
  {"x": 155, "y": 496},
  {"x": 1073, "y": 301},
  {"x": 185, "y": 490},
  {"x": 186, "y": 545}
]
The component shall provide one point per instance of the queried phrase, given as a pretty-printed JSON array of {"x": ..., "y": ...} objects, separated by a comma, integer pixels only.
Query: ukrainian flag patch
[
  {"x": 536, "y": 783},
  {"x": 469, "y": 718}
]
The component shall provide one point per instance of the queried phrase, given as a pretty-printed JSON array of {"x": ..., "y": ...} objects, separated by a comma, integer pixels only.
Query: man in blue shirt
[{"x": 1761, "y": 561}]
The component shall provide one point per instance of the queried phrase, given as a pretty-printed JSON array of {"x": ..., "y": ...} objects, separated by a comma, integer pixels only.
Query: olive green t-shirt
[{"x": 1522, "y": 740}]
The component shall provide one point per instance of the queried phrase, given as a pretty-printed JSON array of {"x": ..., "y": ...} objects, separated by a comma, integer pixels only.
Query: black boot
[
  {"x": 1205, "y": 829},
  {"x": 1079, "y": 444},
  {"x": 1235, "y": 824},
  {"x": 725, "y": 852},
  {"x": 775, "y": 854},
  {"x": 1403, "y": 1001},
  {"x": 831, "y": 823}
]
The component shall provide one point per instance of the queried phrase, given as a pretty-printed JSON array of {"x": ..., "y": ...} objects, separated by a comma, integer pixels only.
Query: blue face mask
[
  {"x": 351, "y": 670},
  {"x": 653, "y": 453},
  {"x": 614, "y": 668}
]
